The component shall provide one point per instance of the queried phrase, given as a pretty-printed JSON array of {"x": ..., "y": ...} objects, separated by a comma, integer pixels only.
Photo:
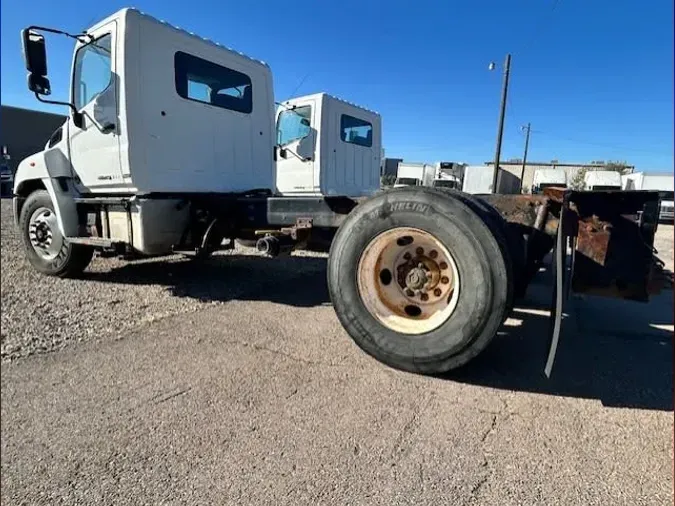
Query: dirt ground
[{"x": 238, "y": 386}]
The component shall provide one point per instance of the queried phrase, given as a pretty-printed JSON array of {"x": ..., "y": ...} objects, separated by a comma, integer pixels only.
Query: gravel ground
[
  {"x": 232, "y": 382},
  {"x": 43, "y": 314}
]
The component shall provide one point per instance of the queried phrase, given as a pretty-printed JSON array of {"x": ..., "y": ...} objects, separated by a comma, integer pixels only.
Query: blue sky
[{"x": 595, "y": 78}]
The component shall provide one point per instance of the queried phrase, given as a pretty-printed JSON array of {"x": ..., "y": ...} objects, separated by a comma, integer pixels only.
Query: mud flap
[{"x": 560, "y": 293}]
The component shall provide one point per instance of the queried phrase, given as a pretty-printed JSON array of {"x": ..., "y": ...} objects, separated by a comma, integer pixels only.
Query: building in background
[
  {"x": 24, "y": 132},
  {"x": 515, "y": 167}
]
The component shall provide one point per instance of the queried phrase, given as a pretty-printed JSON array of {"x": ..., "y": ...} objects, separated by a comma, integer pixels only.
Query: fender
[{"x": 52, "y": 168}]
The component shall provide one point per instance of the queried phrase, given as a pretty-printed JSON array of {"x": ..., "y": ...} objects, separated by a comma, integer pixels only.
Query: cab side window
[
  {"x": 93, "y": 71},
  {"x": 356, "y": 131}
]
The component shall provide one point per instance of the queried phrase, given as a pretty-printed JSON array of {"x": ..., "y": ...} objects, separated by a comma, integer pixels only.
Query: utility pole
[
  {"x": 500, "y": 128},
  {"x": 527, "y": 143}
]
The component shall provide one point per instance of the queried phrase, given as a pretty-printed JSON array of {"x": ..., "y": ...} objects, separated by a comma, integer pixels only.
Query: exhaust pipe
[
  {"x": 268, "y": 246},
  {"x": 274, "y": 246}
]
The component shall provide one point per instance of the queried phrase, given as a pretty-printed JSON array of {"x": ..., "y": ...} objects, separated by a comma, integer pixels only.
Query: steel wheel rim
[
  {"x": 408, "y": 280},
  {"x": 44, "y": 234}
]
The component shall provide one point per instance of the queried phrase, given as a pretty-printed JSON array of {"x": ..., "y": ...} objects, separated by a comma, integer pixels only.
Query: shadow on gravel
[
  {"x": 609, "y": 350},
  {"x": 294, "y": 280}
]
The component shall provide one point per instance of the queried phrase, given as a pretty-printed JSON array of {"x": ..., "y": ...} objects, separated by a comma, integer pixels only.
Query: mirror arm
[
  {"x": 77, "y": 116},
  {"x": 81, "y": 37}
]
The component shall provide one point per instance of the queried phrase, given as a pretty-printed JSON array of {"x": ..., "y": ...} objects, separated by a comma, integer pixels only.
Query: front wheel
[
  {"x": 419, "y": 280},
  {"x": 46, "y": 249}
]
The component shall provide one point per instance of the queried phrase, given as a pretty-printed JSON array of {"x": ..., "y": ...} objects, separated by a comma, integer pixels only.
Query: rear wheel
[
  {"x": 46, "y": 249},
  {"x": 419, "y": 280}
]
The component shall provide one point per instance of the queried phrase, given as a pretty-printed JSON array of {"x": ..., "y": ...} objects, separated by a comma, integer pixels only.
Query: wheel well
[{"x": 25, "y": 189}]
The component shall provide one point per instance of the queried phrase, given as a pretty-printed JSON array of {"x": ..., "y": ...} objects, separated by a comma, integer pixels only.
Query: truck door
[
  {"x": 94, "y": 142},
  {"x": 296, "y": 140}
]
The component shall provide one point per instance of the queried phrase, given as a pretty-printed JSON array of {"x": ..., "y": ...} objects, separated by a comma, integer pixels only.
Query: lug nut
[
  {"x": 407, "y": 256},
  {"x": 433, "y": 253},
  {"x": 443, "y": 266},
  {"x": 437, "y": 292},
  {"x": 424, "y": 297},
  {"x": 419, "y": 251},
  {"x": 409, "y": 293},
  {"x": 445, "y": 280}
]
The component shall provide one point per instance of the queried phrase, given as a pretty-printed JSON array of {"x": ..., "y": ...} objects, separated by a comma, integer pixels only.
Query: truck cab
[{"x": 327, "y": 146}]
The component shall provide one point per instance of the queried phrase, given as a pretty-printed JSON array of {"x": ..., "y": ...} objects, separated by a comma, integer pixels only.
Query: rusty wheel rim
[{"x": 408, "y": 280}]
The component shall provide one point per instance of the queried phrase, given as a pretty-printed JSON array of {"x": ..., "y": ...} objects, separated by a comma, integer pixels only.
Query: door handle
[{"x": 110, "y": 127}]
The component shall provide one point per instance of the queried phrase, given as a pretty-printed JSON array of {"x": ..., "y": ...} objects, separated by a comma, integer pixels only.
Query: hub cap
[
  {"x": 408, "y": 280},
  {"x": 44, "y": 233}
]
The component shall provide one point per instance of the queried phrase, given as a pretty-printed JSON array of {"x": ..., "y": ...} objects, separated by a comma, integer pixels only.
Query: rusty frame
[{"x": 612, "y": 234}]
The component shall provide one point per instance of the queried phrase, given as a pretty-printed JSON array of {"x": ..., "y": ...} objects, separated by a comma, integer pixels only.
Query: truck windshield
[{"x": 410, "y": 181}]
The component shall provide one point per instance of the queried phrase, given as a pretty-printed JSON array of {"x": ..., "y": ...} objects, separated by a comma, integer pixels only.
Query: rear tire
[
  {"x": 402, "y": 339},
  {"x": 46, "y": 249}
]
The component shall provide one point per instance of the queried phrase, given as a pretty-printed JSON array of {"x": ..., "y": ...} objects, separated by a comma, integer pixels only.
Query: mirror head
[{"x": 35, "y": 57}]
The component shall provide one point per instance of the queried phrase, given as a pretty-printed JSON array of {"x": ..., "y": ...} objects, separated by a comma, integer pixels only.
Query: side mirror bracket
[{"x": 35, "y": 57}]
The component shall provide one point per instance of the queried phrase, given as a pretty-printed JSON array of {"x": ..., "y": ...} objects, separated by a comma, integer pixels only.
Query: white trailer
[
  {"x": 478, "y": 180},
  {"x": 545, "y": 178},
  {"x": 596, "y": 180},
  {"x": 414, "y": 174},
  {"x": 663, "y": 183},
  {"x": 169, "y": 147}
]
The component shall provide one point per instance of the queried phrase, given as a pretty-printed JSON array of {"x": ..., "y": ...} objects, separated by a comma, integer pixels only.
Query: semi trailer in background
[
  {"x": 478, "y": 180},
  {"x": 414, "y": 174},
  {"x": 548, "y": 178},
  {"x": 660, "y": 182},
  {"x": 595, "y": 180}
]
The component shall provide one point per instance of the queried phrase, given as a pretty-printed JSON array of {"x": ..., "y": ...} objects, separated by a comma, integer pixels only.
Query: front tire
[
  {"x": 383, "y": 277},
  {"x": 46, "y": 249}
]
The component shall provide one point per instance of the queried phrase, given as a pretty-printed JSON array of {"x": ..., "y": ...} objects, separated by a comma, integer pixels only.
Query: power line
[{"x": 299, "y": 84}]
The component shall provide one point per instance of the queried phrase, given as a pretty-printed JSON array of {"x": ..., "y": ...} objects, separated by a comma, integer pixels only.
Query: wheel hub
[
  {"x": 44, "y": 234},
  {"x": 416, "y": 278},
  {"x": 408, "y": 280}
]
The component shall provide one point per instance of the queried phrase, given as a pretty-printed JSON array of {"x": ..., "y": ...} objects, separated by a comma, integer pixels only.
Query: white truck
[
  {"x": 414, "y": 174},
  {"x": 595, "y": 180},
  {"x": 169, "y": 147},
  {"x": 443, "y": 180},
  {"x": 661, "y": 182},
  {"x": 547, "y": 178},
  {"x": 327, "y": 147}
]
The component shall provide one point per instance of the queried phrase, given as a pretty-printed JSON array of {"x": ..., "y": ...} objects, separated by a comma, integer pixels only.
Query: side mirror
[{"x": 35, "y": 56}]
